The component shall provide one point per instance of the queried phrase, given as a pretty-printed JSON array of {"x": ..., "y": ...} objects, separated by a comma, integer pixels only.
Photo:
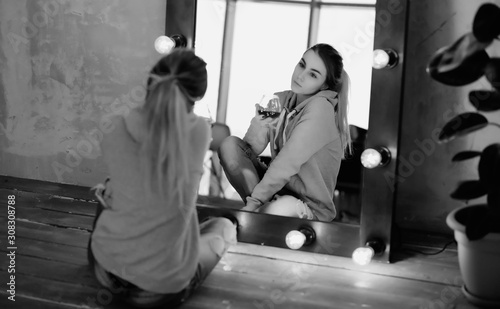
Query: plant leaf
[
  {"x": 485, "y": 101},
  {"x": 462, "y": 125},
  {"x": 468, "y": 190},
  {"x": 494, "y": 202},
  {"x": 465, "y": 155},
  {"x": 492, "y": 72},
  {"x": 489, "y": 167},
  {"x": 461, "y": 63},
  {"x": 486, "y": 26}
]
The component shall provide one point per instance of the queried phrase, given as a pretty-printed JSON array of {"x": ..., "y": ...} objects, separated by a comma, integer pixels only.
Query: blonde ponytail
[
  {"x": 342, "y": 122},
  {"x": 175, "y": 82},
  {"x": 165, "y": 147}
]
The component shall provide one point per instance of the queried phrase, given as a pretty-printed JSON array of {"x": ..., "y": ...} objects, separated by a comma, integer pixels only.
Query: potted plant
[{"x": 476, "y": 227}]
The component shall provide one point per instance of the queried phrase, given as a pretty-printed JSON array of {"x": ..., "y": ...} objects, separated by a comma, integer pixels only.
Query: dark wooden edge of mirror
[
  {"x": 270, "y": 230},
  {"x": 181, "y": 19},
  {"x": 380, "y": 184}
]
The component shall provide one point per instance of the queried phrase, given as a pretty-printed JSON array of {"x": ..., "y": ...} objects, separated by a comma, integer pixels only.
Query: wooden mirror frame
[{"x": 378, "y": 191}]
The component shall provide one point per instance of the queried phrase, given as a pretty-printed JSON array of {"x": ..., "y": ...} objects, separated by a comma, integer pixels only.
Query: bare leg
[
  {"x": 287, "y": 206},
  {"x": 217, "y": 235}
]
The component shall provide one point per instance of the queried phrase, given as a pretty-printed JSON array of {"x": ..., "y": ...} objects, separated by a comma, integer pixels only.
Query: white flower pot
[{"x": 479, "y": 262}]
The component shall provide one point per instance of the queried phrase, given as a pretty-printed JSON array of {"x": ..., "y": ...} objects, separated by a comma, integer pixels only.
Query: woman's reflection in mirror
[{"x": 308, "y": 141}]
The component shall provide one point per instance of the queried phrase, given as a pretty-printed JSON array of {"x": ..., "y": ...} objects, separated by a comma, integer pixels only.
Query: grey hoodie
[
  {"x": 306, "y": 153},
  {"x": 141, "y": 237}
]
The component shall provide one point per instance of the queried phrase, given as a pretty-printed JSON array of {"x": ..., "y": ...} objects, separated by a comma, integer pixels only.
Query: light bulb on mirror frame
[
  {"x": 295, "y": 239},
  {"x": 180, "y": 40},
  {"x": 375, "y": 157},
  {"x": 384, "y": 58},
  {"x": 165, "y": 44},
  {"x": 364, "y": 255}
]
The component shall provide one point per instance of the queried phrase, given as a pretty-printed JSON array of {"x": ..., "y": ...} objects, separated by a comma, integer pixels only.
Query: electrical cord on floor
[
  {"x": 399, "y": 243},
  {"x": 431, "y": 253}
]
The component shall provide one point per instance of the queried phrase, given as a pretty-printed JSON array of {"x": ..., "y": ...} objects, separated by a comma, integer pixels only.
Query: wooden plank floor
[{"x": 52, "y": 232}]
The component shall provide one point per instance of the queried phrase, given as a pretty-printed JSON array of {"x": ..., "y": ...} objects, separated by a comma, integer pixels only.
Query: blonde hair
[
  {"x": 175, "y": 82},
  {"x": 338, "y": 81},
  {"x": 342, "y": 111}
]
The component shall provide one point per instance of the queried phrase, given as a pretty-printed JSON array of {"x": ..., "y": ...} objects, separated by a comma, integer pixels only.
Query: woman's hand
[
  {"x": 263, "y": 120},
  {"x": 257, "y": 135},
  {"x": 252, "y": 204}
]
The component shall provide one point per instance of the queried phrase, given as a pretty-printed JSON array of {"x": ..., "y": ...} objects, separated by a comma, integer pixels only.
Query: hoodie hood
[{"x": 288, "y": 101}]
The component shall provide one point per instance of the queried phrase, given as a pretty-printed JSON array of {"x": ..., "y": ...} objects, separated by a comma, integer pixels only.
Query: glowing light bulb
[
  {"x": 384, "y": 58},
  {"x": 164, "y": 44},
  {"x": 371, "y": 158},
  {"x": 363, "y": 255},
  {"x": 380, "y": 59},
  {"x": 295, "y": 239}
]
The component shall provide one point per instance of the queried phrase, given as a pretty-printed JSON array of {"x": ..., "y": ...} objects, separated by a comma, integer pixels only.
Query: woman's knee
[
  {"x": 287, "y": 206},
  {"x": 219, "y": 226},
  {"x": 230, "y": 146},
  {"x": 230, "y": 151},
  {"x": 220, "y": 233}
]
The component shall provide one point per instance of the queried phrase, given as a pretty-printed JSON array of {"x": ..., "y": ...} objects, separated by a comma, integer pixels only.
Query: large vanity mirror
[{"x": 251, "y": 48}]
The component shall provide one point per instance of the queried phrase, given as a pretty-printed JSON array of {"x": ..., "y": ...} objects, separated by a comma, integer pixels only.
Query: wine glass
[{"x": 269, "y": 106}]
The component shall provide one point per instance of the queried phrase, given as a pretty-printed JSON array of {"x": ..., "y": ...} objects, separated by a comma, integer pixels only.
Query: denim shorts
[
  {"x": 303, "y": 211},
  {"x": 121, "y": 290}
]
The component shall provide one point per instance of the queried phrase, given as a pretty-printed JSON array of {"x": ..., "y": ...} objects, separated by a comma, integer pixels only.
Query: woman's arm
[
  {"x": 315, "y": 129},
  {"x": 257, "y": 135}
]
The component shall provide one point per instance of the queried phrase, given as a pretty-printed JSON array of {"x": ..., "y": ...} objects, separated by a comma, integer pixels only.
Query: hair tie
[{"x": 157, "y": 79}]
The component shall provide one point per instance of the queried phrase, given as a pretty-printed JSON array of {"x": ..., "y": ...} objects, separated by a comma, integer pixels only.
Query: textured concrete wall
[{"x": 65, "y": 67}]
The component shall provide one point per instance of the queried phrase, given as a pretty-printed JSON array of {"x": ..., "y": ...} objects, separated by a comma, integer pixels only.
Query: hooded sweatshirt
[
  {"x": 140, "y": 237},
  {"x": 306, "y": 153}
]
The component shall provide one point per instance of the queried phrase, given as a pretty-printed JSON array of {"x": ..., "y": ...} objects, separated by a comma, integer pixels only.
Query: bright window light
[{"x": 354, "y": 40}]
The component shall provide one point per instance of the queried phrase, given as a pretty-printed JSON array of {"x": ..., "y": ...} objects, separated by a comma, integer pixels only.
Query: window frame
[{"x": 228, "y": 41}]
